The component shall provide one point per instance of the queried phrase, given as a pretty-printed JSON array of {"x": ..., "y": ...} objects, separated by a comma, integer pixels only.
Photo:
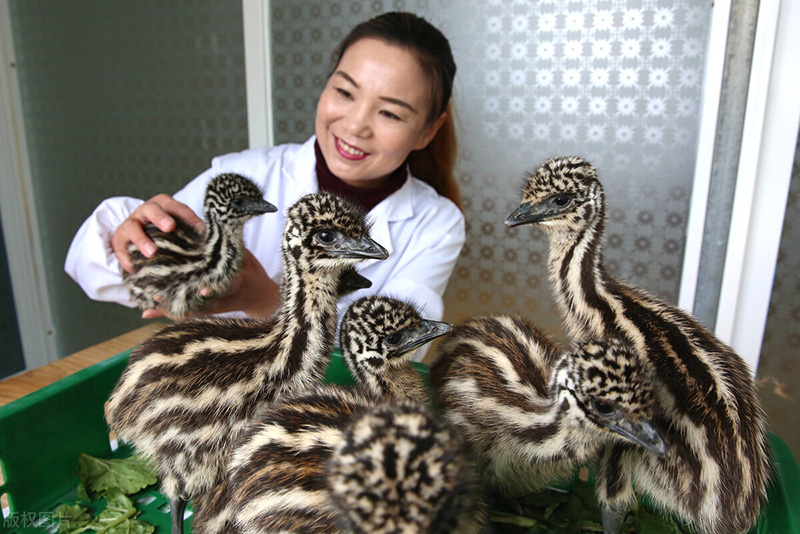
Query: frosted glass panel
[
  {"x": 615, "y": 81},
  {"x": 779, "y": 366},
  {"x": 121, "y": 98}
]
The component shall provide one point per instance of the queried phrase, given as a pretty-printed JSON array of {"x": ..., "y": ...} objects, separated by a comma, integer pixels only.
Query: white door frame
[
  {"x": 769, "y": 140},
  {"x": 762, "y": 185},
  {"x": 20, "y": 225},
  {"x": 258, "y": 72}
]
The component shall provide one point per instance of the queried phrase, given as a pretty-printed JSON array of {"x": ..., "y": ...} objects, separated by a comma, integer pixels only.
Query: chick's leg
[{"x": 177, "y": 508}]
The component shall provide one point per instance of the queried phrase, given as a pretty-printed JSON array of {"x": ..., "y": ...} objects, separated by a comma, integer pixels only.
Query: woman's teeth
[{"x": 349, "y": 149}]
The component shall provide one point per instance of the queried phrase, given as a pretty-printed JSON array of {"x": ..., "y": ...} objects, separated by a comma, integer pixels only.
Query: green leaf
[
  {"x": 72, "y": 518},
  {"x": 575, "y": 512},
  {"x": 129, "y": 475},
  {"x": 132, "y": 527},
  {"x": 644, "y": 521},
  {"x": 511, "y": 519},
  {"x": 119, "y": 516}
]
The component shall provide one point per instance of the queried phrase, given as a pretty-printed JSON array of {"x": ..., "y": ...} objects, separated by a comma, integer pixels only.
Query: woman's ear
[{"x": 430, "y": 131}]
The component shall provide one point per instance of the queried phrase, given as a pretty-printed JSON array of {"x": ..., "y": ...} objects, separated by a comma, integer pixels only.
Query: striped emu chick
[
  {"x": 378, "y": 335},
  {"x": 189, "y": 390},
  {"x": 341, "y": 461},
  {"x": 718, "y": 467},
  {"x": 400, "y": 471},
  {"x": 187, "y": 261},
  {"x": 532, "y": 414}
]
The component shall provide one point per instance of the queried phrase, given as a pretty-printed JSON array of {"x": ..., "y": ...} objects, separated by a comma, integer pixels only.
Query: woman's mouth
[{"x": 348, "y": 151}]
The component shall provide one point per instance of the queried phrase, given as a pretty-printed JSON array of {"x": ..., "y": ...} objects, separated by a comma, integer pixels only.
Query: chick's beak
[
  {"x": 258, "y": 207},
  {"x": 425, "y": 332},
  {"x": 643, "y": 433},
  {"x": 350, "y": 280},
  {"x": 360, "y": 248},
  {"x": 526, "y": 213}
]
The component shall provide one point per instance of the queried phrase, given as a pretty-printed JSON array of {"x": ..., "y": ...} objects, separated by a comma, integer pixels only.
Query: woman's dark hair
[{"x": 435, "y": 163}]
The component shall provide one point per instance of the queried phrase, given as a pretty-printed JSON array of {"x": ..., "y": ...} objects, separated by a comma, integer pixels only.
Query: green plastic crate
[{"x": 42, "y": 434}]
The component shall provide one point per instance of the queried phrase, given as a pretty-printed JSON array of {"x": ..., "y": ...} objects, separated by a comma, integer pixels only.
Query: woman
[{"x": 384, "y": 138}]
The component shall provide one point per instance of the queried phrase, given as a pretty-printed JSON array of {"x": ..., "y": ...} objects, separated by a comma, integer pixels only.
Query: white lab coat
[{"x": 422, "y": 231}]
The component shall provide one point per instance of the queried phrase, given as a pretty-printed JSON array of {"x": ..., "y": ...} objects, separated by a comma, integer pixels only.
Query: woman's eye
[
  {"x": 390, "y": 115},
  {"x": 602, "y": 408},
  {"x": 394, "y": 339},
  {"x": 343, "y": 92},
  {"x": 326, "y": 236}
]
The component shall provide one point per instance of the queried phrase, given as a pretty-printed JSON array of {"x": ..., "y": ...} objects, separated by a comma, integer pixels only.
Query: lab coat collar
[
  {"x": 398, "y": 206},
  {"x": 304, "y": 173}
]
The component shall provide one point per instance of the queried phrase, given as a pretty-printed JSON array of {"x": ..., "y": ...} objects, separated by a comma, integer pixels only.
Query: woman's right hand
[{"x": 160, "y": 211}]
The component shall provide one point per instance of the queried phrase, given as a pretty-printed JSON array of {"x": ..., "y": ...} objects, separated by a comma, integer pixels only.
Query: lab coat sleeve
[
  {"x": 90, "y": 259},
  {"x": 423, "y": 275}
]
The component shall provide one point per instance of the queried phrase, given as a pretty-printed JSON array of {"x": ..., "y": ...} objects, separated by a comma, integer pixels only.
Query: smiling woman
[
  {"x": 384, "y": 139},
  {"x": 373, "y": 113}
]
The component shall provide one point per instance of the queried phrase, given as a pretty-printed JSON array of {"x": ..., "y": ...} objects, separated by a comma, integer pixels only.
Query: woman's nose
[{"x": 358, "y": 121}]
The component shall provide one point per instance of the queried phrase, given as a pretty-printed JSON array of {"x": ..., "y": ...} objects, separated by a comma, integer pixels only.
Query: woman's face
[{"x": 372, "y": 112}]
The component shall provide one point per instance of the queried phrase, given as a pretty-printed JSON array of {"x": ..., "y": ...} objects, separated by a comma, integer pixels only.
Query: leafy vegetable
[
  {"x": 556, "y": 511},
  {"x": 129, "y": 475},
  {"x": 72, "y": 518},
  {"x": 112, "y": 480},
  {"x": 119, "y": 517}
]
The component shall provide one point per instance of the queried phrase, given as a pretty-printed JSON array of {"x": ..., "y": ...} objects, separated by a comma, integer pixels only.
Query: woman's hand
[
  {"x": 160, "y": 211},
  {"x": 252, "y": 292}
]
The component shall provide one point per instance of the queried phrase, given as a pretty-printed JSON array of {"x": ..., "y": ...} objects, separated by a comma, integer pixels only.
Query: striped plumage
[
  {"x": 718, "y": 467},
  {"x": 340, "y": 461},
  {"x": 531, "y": 413},
  {"x": 187, "y": 261},
  {"x": 399, "y": 471},
  {"x": 378, "y": 335},
  {"x": 190, "y": 389}
]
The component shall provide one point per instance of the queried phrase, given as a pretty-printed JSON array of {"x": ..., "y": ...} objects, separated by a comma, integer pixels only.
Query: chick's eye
[
  {"x": 560, "y": 200},
  {"x": 325, "y": 236},
  {"x": 238, "y": 202},
  {"x": 602, "y": 408},
  {"x": 394, "y": 340}
]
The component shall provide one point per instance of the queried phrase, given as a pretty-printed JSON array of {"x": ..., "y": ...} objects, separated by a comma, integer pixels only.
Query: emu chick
[
  {"x": 716, "y": 473},
  {"x": 378, "y": 335},
  {"x": 186, "y": 261}
]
